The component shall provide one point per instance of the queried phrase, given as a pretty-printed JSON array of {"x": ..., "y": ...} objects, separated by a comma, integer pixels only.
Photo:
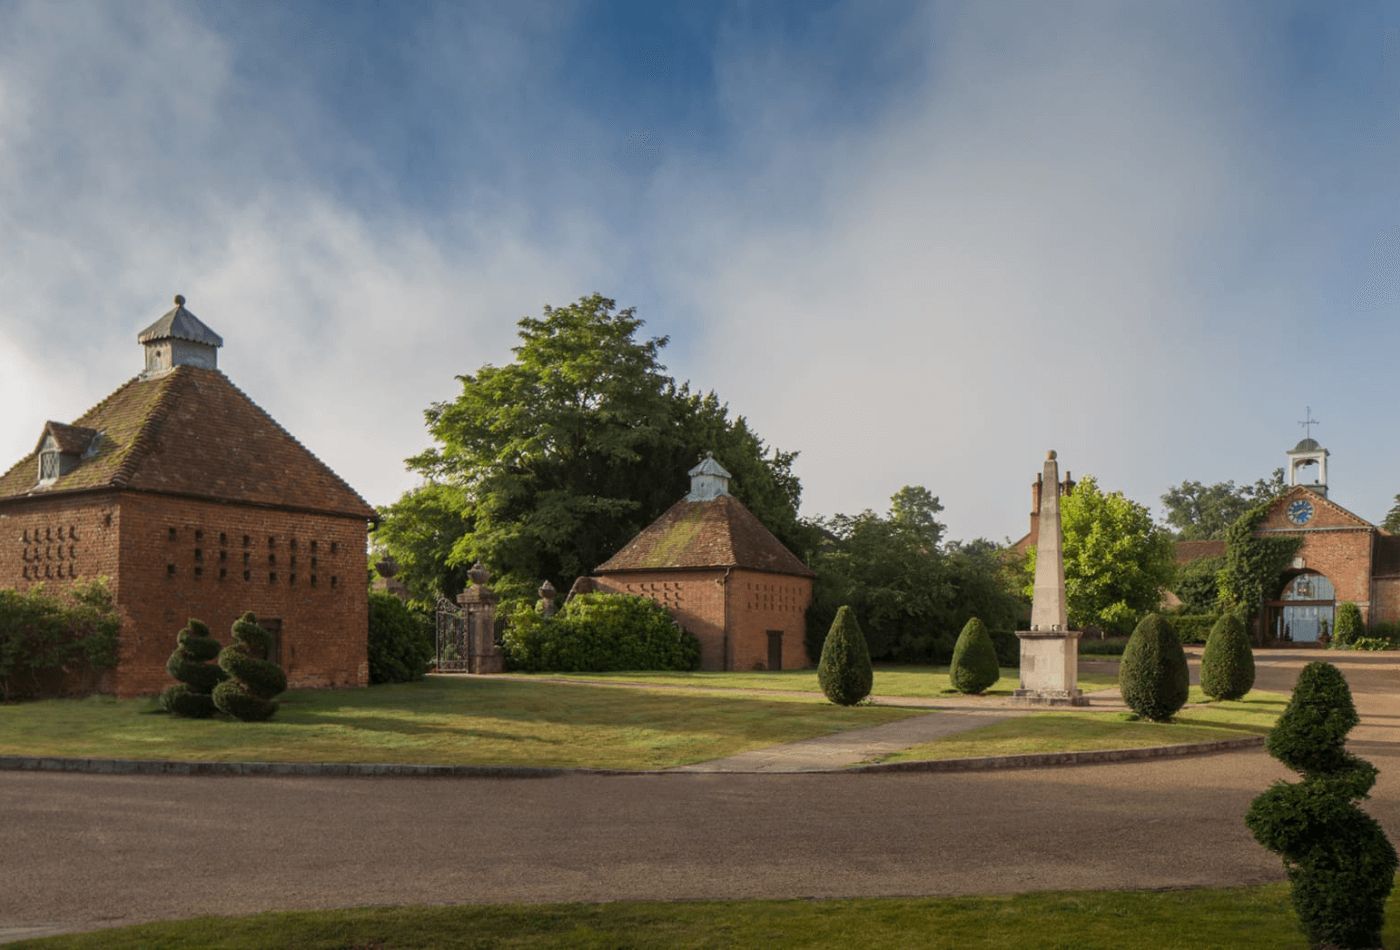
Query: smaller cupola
[
  {"x": 62, "y": 448},
  {"x": 708, "y": 480},
  {"x": 1307, "y": 454},
  {"x": 179, "y": 338}
]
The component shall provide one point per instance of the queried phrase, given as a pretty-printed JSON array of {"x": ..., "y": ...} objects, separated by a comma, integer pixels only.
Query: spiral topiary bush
[
  {"x": 974, "y": 668},
  {"x": 253, "y": 681},
  {"x": 190, "y": 664},
  {"x": 1337, "y": 857},
  {"x": 844, "y": 672},
  {"x": 1153, "y": 675},
  {"x": 1227, "y": 664}
]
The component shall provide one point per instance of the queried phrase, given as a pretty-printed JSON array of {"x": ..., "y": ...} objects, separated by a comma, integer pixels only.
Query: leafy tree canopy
[
  {"x": 1117, "y": 560},
  {"x": 1392, "y": 518},
  {"x": 909, "y": 588},
  {"x": 546, "y": 466},
  {"x": 1200, "y": 512}
]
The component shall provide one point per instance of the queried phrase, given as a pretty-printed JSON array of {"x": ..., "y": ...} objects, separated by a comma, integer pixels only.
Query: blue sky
[{"x": 919, "y": 243}]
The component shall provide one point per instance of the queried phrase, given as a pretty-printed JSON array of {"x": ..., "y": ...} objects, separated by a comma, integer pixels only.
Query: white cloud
[{"x": 1037, "y": 236}]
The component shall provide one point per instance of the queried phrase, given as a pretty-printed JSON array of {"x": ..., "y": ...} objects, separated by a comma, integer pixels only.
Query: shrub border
[{"x": 45, "y": 763}]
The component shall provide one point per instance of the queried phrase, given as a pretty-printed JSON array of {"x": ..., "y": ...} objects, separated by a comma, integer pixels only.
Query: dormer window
[
  {"x": 62, "y": 448},
  {"x": 48, "y": 462}
]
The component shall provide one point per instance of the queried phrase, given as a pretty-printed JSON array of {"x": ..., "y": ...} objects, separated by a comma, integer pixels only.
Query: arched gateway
[{"x": 1304, "y": 610}]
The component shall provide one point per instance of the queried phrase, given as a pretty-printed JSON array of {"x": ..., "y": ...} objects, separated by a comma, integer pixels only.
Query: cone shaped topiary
[
  {"x": 844, "y": 670},
  {"x": 1337, "y": 857},
  {"x": 1227, "y": 664},
  {"x": 190, "y": 665},
  {"x": 1153, "y": 675},
  {"x": 253, "y": 681},
  {"x": 974, "y": 668}
]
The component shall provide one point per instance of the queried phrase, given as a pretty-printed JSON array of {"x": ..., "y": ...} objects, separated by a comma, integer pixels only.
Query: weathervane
[{"x": 1309, "y": 422}]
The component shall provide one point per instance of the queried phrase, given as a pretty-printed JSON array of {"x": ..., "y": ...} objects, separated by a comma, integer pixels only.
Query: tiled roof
[
  {"x": 71, "y": 440},
  {"x": 1387, "y": 562},
  {"x": 1188, "y": 551},
  {"x": 720, "y": 532},
  {"x": 192, "y": 432}
]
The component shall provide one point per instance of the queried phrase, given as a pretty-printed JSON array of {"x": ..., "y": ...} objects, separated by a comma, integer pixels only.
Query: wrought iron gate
[{"x": 453, "y": 646}]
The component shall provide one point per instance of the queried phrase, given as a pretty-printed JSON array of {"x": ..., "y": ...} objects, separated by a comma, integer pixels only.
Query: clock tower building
[{"x": 1342, "y": 557}]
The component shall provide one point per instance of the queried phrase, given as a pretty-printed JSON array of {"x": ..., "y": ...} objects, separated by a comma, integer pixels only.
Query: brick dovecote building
[
  {"x": 722, "y": 575},
  {"x": 193, "y": 502}
]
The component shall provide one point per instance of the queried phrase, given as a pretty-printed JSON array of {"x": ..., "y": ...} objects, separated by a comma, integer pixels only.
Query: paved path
[
  {"x": 84, "y": 851},
  {"x": 852, "y": 747}
]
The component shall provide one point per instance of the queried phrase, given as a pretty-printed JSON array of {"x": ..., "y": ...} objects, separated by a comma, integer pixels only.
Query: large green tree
[
  {"x": 1200, "y": 512},
  {"x": 911, "y": 590},
  {"x": 544, "y": 467},
  {"x": 1117, "y": 559},
  {"x": 1392, "y": 518}
]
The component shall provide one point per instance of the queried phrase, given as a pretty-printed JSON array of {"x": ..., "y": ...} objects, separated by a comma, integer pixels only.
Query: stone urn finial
[
  {"x": 547, "y": 591},
  {"x": 479, "y": 575}
]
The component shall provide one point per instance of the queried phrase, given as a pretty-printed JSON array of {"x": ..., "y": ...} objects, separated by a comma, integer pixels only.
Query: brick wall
[
  {"x": 1385, "y": 600},
  {"x": 694, "y": 598},
  {"x": 1335, "y": 544},
  {"x": 56, "y": 541},
  {"x": 184, "y": 558},
  {"x": 760, "y": 603},
  {"x": 756, "y": 604}
]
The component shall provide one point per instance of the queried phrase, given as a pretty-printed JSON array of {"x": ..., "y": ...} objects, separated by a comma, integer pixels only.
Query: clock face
[{"x": 1300, "y": 511}]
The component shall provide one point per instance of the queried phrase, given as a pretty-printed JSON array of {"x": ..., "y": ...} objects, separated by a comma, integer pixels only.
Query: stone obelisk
[{"x": 1049, "y": 649}]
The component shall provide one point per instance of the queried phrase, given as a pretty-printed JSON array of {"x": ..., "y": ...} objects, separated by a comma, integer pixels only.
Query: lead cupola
[{"x": 179, "y": 338}]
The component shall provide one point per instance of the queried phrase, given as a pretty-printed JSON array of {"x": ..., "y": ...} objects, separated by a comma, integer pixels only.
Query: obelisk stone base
[{"x": 1049, "y": 668}]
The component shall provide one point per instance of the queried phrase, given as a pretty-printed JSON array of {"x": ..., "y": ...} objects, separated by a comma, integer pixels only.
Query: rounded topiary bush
[
  {"x": 974, "y": 667},
  {"x": 190, "y": 664},
  {"x": 1338, "y": 859},
  {"x": 253, "y": 681},
  {"x": 1153, "y": 675},
  {"x": 844, "y": 671},
  {"x": 1227, "y": 664},
  {"x": 1347, "y": 628}
]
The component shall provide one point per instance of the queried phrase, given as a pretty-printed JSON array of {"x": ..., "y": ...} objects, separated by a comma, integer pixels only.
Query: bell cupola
[
  {"x": 179, "y": 338},
  {"x": 1304, "y": 455}
]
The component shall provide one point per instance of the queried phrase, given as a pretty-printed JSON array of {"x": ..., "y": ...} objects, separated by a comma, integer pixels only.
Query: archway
[{"x": 1304, "y": 611}]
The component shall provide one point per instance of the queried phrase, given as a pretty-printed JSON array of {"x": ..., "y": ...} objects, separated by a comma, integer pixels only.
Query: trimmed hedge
[
  {"x": 1227, "y": 665},
  {"x": 53, "y": 645},
  {"x": 844, "y": 671},
  {"x": 975, "y": 666},
  {"x": 1008, "y": 647},
  {"x": 1194, "y": 628},
  {"x": 1337, "y": 857},
  {"x": 191, "y": 665},
  {"x": 253, "y": 681},
  {"x": 597, "y": 633},
  {"x": 400, "y": 640},
  {"x": 1348, "y": 627},
  {"x": 1153, "y": 675}
]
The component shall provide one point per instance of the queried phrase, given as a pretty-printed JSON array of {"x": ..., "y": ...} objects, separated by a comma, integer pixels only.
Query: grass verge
[
  {"x": 1243, "y": 917},
  {"x": 897, "y": 681},
  {"x": 1083, "y": 731},
  {"x": 442, "y": 720}
]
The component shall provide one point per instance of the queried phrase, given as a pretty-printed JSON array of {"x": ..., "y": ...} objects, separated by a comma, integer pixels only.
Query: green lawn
[
  {"x": 1084, "y": 731},
  {"x": 1243, "y": 917},
  {"x": 897, "y": 681},
  {"x": 443, "y": 720}
]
